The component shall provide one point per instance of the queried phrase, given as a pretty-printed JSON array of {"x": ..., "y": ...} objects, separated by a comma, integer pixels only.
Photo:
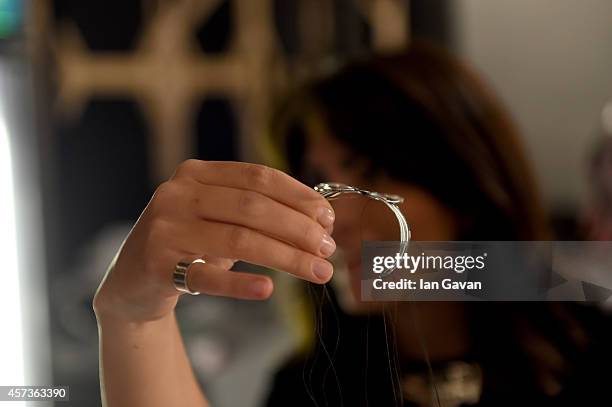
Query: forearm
[{"x": 145, "y": 364}]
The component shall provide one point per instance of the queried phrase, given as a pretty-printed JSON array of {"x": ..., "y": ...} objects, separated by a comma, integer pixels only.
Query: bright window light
[{"x": 11, "y": 341}]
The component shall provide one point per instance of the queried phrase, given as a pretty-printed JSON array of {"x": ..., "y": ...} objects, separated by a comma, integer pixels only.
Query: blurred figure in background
[
  {"x": 419, "y": 124},
  {"x": 423, "y": 125}
]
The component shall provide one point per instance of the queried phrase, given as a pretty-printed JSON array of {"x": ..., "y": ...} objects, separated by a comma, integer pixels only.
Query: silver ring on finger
[{"x": 179, "y": 276}]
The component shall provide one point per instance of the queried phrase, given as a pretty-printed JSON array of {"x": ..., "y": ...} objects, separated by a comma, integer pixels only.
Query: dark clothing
[{"x": 366, "y": 372}]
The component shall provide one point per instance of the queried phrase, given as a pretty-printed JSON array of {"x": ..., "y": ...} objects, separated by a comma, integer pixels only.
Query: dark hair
[{"x": 423, "y": 117}]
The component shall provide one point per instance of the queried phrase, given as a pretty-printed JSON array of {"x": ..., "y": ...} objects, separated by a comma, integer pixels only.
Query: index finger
[{"x": 259, "y": 178}]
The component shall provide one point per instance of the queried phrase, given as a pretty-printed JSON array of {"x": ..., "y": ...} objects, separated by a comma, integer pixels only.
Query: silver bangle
[{"x": 333, "y": 190}]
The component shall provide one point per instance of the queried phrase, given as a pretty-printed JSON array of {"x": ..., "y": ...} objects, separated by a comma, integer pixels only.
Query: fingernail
[
  {"x": 322, "y": 270},
  {"x": 260, "y": 288},
  {"x": 328, "y": 246},
  {"x": 326, "y": 217}
]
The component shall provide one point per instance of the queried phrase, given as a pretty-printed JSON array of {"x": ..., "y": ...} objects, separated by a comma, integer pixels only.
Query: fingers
[
  {"x": 257, "y": 211},
  {"x": 210, "y": 279},
  {"x": 220, "y": 262},
  {"x": 248, "y": 212},
  {"x": 265, "y": 180},
  {"x": 233, "y": 241}
]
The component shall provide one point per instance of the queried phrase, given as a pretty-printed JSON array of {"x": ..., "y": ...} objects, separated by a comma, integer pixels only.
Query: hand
[{"x": 223, "y": 212}]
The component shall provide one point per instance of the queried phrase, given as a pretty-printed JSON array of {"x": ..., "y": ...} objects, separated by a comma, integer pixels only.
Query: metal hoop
[{"x": 333, "y": 190}]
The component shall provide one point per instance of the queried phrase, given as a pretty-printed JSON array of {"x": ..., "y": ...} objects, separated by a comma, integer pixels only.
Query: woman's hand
[{"x": 223, "y": 212}]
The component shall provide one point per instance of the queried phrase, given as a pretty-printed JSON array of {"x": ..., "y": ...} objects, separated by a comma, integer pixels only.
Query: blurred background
[{"x": 101, "y": 99}]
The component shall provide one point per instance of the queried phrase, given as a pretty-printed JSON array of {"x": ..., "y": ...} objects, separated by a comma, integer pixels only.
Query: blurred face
[{"x": 359, "y": 218}]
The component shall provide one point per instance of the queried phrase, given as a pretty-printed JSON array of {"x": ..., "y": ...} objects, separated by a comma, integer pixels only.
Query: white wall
[{"x": 551, "y": 62}]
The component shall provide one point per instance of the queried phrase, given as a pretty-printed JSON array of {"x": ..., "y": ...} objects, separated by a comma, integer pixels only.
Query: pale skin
[
  {"x": 225, "y": 211},
  {"x": 228, "y": 211}
]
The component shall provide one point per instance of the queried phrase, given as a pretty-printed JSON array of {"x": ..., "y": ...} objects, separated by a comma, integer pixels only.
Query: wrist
[
  {"x": 111, "y": 308},
  {"x": 113, "y": 302},
  {"x": 112, "y": 320}
]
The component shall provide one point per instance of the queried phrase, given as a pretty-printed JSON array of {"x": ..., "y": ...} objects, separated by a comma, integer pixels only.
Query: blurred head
[{"x": 422, "y": 125}]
